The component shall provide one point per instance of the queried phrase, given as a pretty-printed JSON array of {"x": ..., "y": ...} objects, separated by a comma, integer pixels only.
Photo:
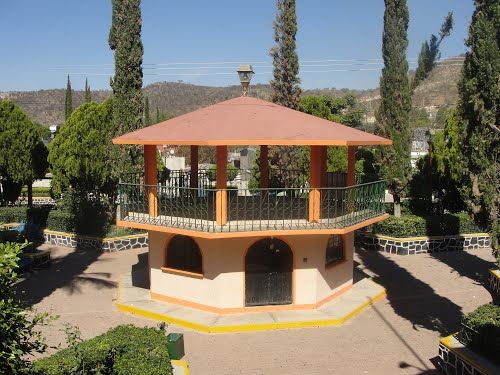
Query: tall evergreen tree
[
  {"x": 125, "y": 41},
  {"x": 87, "y": 95},
  {"x": 393, "y": 113},
  {"x": 68, "y": 103},
  {"x": 429, "y": 52},
  {"x": 285, "y": 85},
  {"x": 479, "y": 107},
  {"x": 147, "y": 114}
]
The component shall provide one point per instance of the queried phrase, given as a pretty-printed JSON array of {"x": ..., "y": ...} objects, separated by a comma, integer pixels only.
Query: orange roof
[{"x": 249, "y": 121}]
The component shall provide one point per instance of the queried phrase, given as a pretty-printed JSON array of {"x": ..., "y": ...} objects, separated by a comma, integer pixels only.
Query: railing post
[
  {"x": 221, "y": 194},
  {"x": 315, "y": 183},
  {"x": 151, "y": 179}
]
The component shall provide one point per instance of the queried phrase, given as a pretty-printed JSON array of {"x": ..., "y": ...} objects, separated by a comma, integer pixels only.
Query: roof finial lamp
[{"x": 245, "y": 72}]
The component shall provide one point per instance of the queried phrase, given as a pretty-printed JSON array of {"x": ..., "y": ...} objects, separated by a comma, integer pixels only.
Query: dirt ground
[{"x": 426, "y": 296}]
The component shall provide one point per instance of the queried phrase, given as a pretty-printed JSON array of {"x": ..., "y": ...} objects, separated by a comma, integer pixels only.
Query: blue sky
[{"x": 42, "y": 41}]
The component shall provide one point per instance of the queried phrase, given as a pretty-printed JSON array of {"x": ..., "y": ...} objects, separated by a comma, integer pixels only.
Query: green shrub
[
  {"x": 435, "y": 225},
  {"x": 38, "y": 191},
  {"x": 62, "y": 221},
  {"x": 115, "y": 231},
  {"x": 18, "y": 325},
  {"x": 122, "y": 350},
  {"x": 16, "y": 214},
  {"x": 481, "y": 331}
]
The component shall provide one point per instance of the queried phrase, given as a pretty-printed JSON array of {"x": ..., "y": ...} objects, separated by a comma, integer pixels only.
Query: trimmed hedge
[
  {"x": 124, "y": 350},
  {"x": 483, "y": 332},
  {"x": 435, "y": 225},
  {"x": 16, "y": 214},
  {"x": 38, "y": 191}
]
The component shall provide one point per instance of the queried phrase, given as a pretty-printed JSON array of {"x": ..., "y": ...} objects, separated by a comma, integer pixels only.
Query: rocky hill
[{"x": 175, "y": 98}]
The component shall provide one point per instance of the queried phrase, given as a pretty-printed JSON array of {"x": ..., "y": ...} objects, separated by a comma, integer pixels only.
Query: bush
[
  {"x": 19, "y": 336},
  {"x": 61, "y": 221},
  {"x": 122, "y": 350},
  {"x": 435, "y": 225},
  {"x": 38, "y": 191},
  {"x": 481, "y": 331},
  {"x": 37, "y": 215}
]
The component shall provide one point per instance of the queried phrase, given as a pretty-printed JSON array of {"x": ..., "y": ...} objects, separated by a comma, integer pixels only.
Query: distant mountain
[{"x": 175, "y": 98}]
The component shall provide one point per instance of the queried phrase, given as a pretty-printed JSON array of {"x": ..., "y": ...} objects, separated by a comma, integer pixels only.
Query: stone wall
[
  {"x": 495, "y": 284},
  {"x": 112, "y": 244},
  {"x": 452, "y": 364},
  {"x": 418, "y": 245}
]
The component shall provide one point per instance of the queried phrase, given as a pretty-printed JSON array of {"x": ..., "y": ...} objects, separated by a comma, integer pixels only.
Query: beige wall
[{"x": 223, "y": 266}]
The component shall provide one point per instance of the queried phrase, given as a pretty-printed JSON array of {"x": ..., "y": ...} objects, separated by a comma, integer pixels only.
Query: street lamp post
[{"x": 245, "y": 72}]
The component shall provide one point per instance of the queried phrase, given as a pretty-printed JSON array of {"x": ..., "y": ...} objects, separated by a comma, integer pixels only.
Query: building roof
[{"x": 249, "y": 121}]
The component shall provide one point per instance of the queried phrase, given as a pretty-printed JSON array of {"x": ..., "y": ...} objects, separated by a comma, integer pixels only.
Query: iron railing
[{"x": 251, "y": 209}]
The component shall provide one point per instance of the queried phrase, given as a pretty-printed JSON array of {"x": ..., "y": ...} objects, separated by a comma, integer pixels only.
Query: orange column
[
  {"x": 151, "y": 179},
  {"x": 221, "y": 194},
  {"x": 351, "y": 176},
  {"x": 323, "y": 165},
  {"x": 315, "y": 183},
  {"x": 264, "y": 167},
  {"x": 193, "y": 179},
  {"x": 351, "y": 165}
]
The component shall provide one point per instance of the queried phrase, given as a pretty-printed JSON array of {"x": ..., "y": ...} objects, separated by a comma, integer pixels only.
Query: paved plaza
[{"x": 426, "y": 296}]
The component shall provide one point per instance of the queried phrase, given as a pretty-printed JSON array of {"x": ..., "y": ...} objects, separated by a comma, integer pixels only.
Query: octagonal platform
[{"x": 136, "y": 300}]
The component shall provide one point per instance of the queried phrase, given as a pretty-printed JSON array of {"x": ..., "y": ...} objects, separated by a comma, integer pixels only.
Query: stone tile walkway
[
  {"x": 137, "y": 301},
  {"x": 426, "y": 297}
]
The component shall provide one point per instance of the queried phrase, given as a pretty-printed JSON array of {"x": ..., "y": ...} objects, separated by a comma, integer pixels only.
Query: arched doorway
[{"x": 268, "y": 273}]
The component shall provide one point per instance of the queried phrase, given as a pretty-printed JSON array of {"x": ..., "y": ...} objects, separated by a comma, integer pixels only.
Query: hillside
[{"x": 175, "y": 98}]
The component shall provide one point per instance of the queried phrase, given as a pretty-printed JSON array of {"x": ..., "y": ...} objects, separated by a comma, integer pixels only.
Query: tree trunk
[{"x": 30, "y": 194}]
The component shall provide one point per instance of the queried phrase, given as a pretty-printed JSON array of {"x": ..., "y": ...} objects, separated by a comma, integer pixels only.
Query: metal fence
[{"x": 251, "y": 209}]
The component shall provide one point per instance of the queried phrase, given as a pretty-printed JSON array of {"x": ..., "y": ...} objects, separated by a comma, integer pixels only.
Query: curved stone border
[
  {"x": 418, "y": 245},
  {"x": 109, "y": 244},
  {"x": 495, "y": 283},
  {"x": 456, "y": 359}
]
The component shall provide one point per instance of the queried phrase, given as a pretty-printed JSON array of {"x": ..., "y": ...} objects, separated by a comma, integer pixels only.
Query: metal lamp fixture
[{"x": 245, "y": 72}]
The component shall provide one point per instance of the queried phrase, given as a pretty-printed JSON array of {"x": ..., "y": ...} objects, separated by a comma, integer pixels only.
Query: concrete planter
[
  {"x": 424, "y": 244},
  {"x": 456, "y": 359},
  {"x": 111, "y": 244}
]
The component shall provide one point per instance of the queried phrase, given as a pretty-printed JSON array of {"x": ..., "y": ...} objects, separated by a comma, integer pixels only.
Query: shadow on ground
[
  {"x": 66, "y": 272},
  {"x": 411, "y": 298},
  {"x": 466, "y": 264},
  {"x": 140, "y": 275}
]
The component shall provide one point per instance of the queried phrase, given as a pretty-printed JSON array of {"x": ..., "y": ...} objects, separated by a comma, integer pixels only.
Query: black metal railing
[{"x": 251, "y": 209}]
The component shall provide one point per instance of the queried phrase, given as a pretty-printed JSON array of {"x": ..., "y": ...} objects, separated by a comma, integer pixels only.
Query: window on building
[
  {"x": 334, "y": 250},
  {"x": 184, "y": 254}
]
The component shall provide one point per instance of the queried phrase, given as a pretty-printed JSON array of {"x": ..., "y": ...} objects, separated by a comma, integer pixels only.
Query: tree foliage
[
  {"x": 68, "y": 102},
  {"x": 23, "y": 156},
  {"x": 285, "y": 84},
  {"x": 393, "y": 113},
  {"x": 343, "y": 110},
  {"x": 87, "y": 95},
  {"x": 82, "y": 155},
  {"x": 18, "y": 325},
  {"x": 479, "y": 108},
  {"x": 429, "y": 52},
  {"x": 125, "y": 41},
  {"x": 147, "y": 113}
]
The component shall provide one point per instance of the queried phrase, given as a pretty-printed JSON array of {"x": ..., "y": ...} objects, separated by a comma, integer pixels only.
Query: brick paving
[{"x": 426, "y": 295}]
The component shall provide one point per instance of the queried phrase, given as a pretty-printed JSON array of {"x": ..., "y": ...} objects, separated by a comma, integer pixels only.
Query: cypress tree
[
  {"x": 87, "y": 96},
  {"x": 157, "y": 115},
  {"x": 393, "y": 114},
  {"x": 429, "y": 52},
  {"x": 68, "y": 103},
  {"x": 479, "y": 108},
  {"x": 147, "y": 114},
  {"x": 125, "y": 41},
  {"x": 285, "y": 85}
]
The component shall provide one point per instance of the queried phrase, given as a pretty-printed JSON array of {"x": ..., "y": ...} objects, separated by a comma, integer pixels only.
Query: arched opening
[
  {"x": 184, "y": 254},
  {"x": 268, "y": 273}
]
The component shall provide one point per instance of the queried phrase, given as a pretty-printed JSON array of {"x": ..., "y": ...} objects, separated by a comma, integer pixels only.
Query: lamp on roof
[{"x": 245, "y": 72}]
